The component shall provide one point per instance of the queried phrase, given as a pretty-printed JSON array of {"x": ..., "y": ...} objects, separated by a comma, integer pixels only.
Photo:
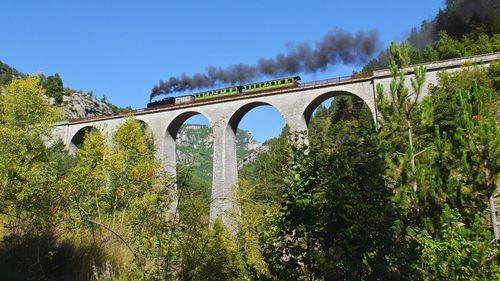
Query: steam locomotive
[{"x": 288, "y": 82}]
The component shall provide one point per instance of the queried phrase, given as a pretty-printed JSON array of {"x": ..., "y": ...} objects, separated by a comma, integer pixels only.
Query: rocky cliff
[
  {"x": 79, "y": 106},
  {"x": 194, "y": 148}
]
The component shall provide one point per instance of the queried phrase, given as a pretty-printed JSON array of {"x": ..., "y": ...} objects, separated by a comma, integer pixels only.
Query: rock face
[
  {"x": 194, "y": 148},
  {"x": 252, "y": 155},
  {"x": 79, "y": 106}
]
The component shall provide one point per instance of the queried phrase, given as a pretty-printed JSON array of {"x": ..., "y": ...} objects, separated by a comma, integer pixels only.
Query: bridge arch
[
  {"x": 167, "y": 143},
  {"x": 240, "y": 112},
  {"x": 175, "y": 124},
  {"x": 311, "y": 106},
  {"x": 145, "y": 126},
  {"x": 225, "y": 172},
  {"x": 78, "y": 138}
]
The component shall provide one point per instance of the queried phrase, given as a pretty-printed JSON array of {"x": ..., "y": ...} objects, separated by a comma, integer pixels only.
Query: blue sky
[{"x": 122, "y": 48}]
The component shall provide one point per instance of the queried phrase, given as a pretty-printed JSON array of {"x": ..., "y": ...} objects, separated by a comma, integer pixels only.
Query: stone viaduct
[{"x": 296, "y": 106}]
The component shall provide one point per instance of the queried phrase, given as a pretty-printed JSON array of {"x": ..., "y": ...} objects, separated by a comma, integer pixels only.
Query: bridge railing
[{"x": 333, "y": 80}]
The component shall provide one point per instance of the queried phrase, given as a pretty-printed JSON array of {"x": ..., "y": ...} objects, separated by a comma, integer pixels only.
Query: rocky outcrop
[
  {"x": 194, "y": 136},
  {"x": 252, "y": 155},
  {"x": 80, "y": 106},
  {"x": 246, "y": 141},
  {"x": 194, "y": 146}
]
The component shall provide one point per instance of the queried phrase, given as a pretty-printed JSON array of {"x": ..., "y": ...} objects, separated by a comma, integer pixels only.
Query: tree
[
  {"x": 335, "y": 219},
  {"x": 28, "y": 193},
  {"x": 54, "y": 88},
  {"x": 459, "y": 252},
  {"x": 86, "y": 183},
  {"x": 464, "y": 115},
  {"x": 397, "y": 133}
]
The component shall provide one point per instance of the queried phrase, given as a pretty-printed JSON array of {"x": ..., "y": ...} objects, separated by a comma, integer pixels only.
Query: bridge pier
[
  {"x": 223, "y": 203},
  {"x": 165, "y": 152}
]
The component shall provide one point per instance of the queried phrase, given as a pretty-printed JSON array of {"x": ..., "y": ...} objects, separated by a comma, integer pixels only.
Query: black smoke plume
[{"x": 334, "y": 48}]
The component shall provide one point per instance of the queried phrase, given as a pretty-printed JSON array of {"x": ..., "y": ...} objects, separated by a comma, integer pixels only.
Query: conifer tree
[
  {"x": 397, "y": 126},
  {"x": 54, "y": 87}
]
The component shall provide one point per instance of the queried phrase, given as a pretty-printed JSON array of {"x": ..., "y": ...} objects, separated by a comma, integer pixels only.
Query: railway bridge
[{"x": 296, "y": 106}]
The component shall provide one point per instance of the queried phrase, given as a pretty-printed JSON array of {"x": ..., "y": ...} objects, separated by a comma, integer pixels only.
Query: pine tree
[
  {"x": 54, "y": 88},
  {"x": 397, "y": 132}
]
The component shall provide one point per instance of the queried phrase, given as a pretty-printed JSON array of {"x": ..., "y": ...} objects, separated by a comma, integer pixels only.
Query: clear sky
[{"x": 121, "y": 49}]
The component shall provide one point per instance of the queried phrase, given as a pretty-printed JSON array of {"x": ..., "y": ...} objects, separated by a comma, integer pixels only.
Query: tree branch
[{"x": 115, "y": 233}]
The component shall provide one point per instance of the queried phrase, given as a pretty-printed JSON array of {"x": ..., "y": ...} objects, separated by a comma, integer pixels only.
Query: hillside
[{"x": 7, "y": 73}]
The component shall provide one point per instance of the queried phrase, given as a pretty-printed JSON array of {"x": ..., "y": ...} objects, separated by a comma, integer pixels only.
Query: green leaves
[
  {"x": 458, "y": 253},
  {"x": 27, "y": 190}
]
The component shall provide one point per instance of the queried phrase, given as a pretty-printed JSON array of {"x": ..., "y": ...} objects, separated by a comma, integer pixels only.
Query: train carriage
[
  {"x": 272, "y": 84},
  {"x": 184, "y": 99},
  {"x": 224, "y": 92}
]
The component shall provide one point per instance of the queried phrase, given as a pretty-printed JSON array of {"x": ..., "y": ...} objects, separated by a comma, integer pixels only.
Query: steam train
[{"x": 288, "y": 82}]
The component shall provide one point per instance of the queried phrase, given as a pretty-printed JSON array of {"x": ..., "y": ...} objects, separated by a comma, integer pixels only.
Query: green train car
[
  {"x": 272, "y": 84},
  {"x": 224, "y": 92}
]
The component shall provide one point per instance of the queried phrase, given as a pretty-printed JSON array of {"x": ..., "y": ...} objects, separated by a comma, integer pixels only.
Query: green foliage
[
  {"x": 469, "y": 45},
  {"x": 335, "y": 219},
  {"x": 464, "y": 114},
  {"x": 494, "y": 73},
  {"x": 59, "y": 159},
  {"x": 27, "y": 191},
  {"x": 194, "y": 195},
  {"x": 398, "y": 111},
  {"x": 258, "y": 195},
  {"x": 54, "y": 87},
  {"x": 8, "y": 73},
  {"x": 456, "y": 131},
  {"x": 213, "y": 257},
  {"x": 458, "y": 252},
  {"x": 132, "y": 164},
  {"x": 265, "y": 189},
  {"x": 85, "y": 184},
  {"x": 120, "y": 190}
]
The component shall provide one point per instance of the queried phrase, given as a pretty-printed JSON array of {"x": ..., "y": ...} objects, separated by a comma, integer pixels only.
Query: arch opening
[
  {"x": 254, "y": 124},
  {"x": 79, "y": 138},
  {"x": 190, "y": 140},
  {"x": 259, "y": 127},
  {"x": 145, "y": 126},
  {"x": 332, "y": 107},
  {"x": 323, "y": 100}
]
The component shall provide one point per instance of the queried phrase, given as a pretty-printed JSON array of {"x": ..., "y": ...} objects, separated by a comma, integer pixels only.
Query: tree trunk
[{"x": 493, "y": 214}]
